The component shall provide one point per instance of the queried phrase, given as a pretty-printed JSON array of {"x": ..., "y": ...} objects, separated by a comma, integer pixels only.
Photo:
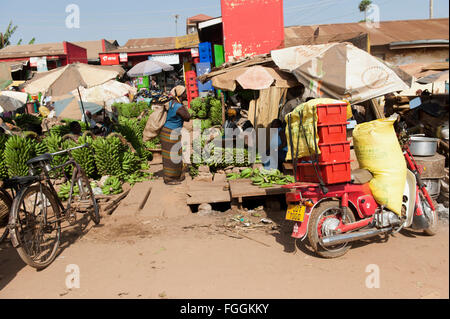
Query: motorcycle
[{"x": 335, "y": 216}]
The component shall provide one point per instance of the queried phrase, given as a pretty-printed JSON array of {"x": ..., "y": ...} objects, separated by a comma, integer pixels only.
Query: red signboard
[
  {"x": 252, "y": 27},
  {"x": 109, "y": 59}
]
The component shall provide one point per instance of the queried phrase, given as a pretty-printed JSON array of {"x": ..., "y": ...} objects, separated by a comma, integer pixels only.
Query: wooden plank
[
  {"x": 244, "y": 188},
  {"x": 205, "y": 192},
  {"x": 209, "y": 198},
  {"x": 376, "y": 109}
]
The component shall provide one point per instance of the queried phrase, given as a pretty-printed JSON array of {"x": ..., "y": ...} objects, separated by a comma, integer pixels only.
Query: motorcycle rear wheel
[
  {"x": 317, "y": 225},
  {"x": 431, "y": 216}
]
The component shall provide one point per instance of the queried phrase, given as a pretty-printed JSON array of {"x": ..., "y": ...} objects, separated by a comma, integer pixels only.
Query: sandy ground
[{"x": 194, "y": 257}]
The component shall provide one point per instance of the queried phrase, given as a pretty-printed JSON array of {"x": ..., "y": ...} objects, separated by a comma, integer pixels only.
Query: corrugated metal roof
[
  {"x": 388, "y": 31},
  {"x": 198, "y": 18},
  {"x": 32, "y": 50},
  {"x": 93, "y": 48},
  {"x": 147, "y": 44}
]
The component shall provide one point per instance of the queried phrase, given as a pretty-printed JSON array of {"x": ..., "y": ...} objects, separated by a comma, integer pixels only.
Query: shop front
[{"x": 167, "y": 80}]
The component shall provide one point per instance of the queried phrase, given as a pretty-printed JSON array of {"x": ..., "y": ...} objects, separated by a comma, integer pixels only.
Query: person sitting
[
  {"x": 90, "y": 120},
  {"x": 75, "y": 128},
  {"x": 107, "y": 127}
]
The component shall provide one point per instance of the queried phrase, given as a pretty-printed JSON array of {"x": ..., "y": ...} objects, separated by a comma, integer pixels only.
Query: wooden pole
[
  {"x": 82, "y": 107},
  {"x": 222, "y": 99}
]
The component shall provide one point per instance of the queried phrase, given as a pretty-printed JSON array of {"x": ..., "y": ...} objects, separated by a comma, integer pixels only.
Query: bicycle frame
[
  {"x": 45, "y": 176},
  {"x": 75, "y": 173}
]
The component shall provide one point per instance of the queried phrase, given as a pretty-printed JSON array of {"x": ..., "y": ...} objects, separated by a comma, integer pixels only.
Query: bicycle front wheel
[
  {"x": 35, "y": 215},
  {"x": 86, "y": 199}
]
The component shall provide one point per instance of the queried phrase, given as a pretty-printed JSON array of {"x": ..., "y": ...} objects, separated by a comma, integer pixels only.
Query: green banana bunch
[
  {"x": 262, "y": 177},
  {"x": 60, "y": 130},
  {"x": 26, "y": 121},
  {"x": 130, "y": 162},
  {"x": 40, "y": 148},
  {"x": 138, "y": 176},
  {"x": 112, "y": 185},
  {"x": 3, "y": 168},
  {"x": 18, "y": 151},
  {"x": 246, "y": 173},
  {"x": 233, "y": 176},
  {"x": 107, "y": 155},
  {"x": 64, "y": 191},
  {"x": 84, "y": 156}
]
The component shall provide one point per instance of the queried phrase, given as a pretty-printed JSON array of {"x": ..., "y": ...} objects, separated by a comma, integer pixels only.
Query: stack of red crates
[
  {"x": 334, "y": 158},
  {"x": 191, "y": 86}
]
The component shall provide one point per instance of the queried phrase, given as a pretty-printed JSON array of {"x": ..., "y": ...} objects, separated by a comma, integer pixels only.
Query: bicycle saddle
[{"x": 41, "y": 158}]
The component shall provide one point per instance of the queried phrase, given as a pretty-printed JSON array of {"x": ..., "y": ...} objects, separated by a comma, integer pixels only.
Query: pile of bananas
[
  {"x": 112, "y": 185},
  {"x": 18, "y": 150},
  {"x": 262, "y": 177}
]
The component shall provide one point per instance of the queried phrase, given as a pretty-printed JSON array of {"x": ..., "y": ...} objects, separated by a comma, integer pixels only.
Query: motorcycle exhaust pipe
[{"x": 345, "y": 238}]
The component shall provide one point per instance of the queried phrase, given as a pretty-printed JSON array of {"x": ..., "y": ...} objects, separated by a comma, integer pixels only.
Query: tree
[
  {"x": 363, "y": 6},
  {"x": 5, "y": 38}
]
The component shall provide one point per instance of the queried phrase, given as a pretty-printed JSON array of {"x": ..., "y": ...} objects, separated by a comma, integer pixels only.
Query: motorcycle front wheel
[{"x": 324, "y": 219}]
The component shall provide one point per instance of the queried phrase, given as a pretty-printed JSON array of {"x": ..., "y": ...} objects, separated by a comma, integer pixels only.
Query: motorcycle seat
[{"x": 361, "y": 176}]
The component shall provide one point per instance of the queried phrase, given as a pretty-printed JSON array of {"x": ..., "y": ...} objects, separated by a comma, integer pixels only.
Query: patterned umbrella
[{"x": 149, "y": 67}]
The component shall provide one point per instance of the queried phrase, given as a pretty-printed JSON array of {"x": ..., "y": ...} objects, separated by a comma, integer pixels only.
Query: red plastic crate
[
  {"x": 333, "y": 133},
  {"x": 331, "y": 113},
  {"x": 333, "y": 152},
  {"x": 192, "y": 86},
  {"x": 191, "y": 77},
  {"x": 331, "y": 173}
]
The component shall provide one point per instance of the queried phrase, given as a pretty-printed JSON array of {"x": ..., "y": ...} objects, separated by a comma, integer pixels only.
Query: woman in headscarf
[{"x": 170, "y": 136}]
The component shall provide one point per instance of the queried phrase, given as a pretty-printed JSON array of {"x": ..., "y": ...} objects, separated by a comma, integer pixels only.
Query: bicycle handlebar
[{"x": 69, "y": 149}]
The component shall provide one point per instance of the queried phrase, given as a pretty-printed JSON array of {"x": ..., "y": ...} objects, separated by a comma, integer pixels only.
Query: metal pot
[{"x": 423, "y": 146}]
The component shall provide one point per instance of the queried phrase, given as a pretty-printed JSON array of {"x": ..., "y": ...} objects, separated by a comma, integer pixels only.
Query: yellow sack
[
  {"x": 378, "y": 150},
  {"x": 293, "y": 119}
]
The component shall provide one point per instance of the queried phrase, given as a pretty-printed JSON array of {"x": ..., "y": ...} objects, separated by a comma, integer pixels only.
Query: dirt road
[{"x": 192, "y": 257}]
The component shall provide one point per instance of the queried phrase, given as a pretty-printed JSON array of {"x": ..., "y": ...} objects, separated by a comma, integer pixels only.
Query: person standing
[
  {"x": 278, "y": 146},
  {"x": 170, "y": 136}
]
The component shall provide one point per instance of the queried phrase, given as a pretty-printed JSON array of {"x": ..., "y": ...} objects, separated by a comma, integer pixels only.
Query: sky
[{"x": 121, "y": 20}]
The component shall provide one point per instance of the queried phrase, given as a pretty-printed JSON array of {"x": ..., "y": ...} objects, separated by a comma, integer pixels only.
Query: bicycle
[{"x": 37, "y": 211}]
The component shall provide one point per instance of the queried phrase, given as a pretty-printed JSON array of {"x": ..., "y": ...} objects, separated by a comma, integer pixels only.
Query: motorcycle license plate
[{"x": 295, "y": 213}]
